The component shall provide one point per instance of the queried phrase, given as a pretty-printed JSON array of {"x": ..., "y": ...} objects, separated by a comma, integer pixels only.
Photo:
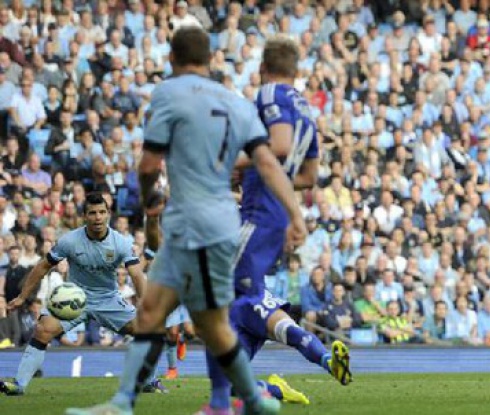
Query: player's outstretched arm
[
  {"x": 138, "y": 278},
  {"x": 149, "y": 170},
  {"x": 274, "y": 177},
  {"x": 31, "y": 283}
]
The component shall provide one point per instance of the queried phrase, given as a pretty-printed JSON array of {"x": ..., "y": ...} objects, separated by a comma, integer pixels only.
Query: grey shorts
[
  {"x": 110, "y": 312},
  {"x": 202, "y": 277}
]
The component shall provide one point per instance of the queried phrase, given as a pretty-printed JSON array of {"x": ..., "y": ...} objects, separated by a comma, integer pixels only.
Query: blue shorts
[
  {"x": 110, "y": 312},
  {"x": 179, "y": 316},
  {"x": 249, "y": 316},
  {"x": 203, "y": 277},
  {"x": 260, "y": 249}
]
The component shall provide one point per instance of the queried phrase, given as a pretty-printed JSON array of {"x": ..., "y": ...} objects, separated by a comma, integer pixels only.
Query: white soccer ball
[{"x": 67, "y": 301}]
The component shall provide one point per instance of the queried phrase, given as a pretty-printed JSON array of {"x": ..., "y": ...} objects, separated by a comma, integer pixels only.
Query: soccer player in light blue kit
[
  {"x": 94, "y": 252},
  {"x": 199, "y": 127},
  {"x": 256, "y": 314}
]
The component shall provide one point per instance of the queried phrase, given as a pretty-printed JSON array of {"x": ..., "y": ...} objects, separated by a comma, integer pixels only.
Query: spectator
[
  {"x": 435, "y": 325},
  {"x": 316, "y": 242},
  {"x": 315, "y": 295},
  {"x": 464, "y": 17},
  {"x": 29, "y": 257},
  {"x": 339, "y": 312},
  {"x": 182, "y": 17},
  {"x": 463, "y": 324},
  {"x": 86, "y": 151},
  {"x": 484, "y": 321},
  {"x": 393, "y": 327},
  {"x": 387, "y": 214},
  {"x": 412, "y": 308},
  {"x": 353, "y": 286},
  {"x": 27, "y": 111},
  {"x": 345, "y": 254},
  {"x": 14, "y": 277},
  {"x": 288, "y": 284},
  {"x": 370, "y": 310},
  {"x": 23, "y": 225},
  {"x": 35, "y": 178},
  {"x": 387, "y": 289}
]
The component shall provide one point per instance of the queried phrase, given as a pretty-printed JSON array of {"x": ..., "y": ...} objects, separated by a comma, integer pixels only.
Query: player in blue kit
[
  {"x": 94, "y": 252},
  {"x": 199, "y": 127},
  {"x": 256, "y": 314}
]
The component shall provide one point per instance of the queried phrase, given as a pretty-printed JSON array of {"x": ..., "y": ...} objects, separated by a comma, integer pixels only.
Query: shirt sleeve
[
  {"x": 128, "y": 255},
  {"x": 60, "y": 251},
  {"x": 274, "y": 107},
  {"x": 157, "y": 133}
]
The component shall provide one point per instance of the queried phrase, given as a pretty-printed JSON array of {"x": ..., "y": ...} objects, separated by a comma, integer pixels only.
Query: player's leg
[
  {"x": 144, "y": 352},
  {"x": 283, "y": 329},
  {"x": 208, "y": 305},
  {"x": 187, "y": 335},
  {"x": 47, "y": 328},
  {"x": 172, "y": 337},
  {"x": 119, "y": 316},
  {"x": 214, "y": 328},
  {"x": 161, "y": 297}
]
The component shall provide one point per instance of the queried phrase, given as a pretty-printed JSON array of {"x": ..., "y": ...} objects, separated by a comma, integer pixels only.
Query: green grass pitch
[{"x": 393, "y": 394}]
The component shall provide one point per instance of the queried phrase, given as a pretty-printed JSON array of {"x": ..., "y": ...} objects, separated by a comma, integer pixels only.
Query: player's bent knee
[
  {"x": 281, "y": 330},
  {"x": 47, "y": 328}
]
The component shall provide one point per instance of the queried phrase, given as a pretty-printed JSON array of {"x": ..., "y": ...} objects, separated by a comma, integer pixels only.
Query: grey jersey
[
  {"x": 93, "y": 263},
  {"x": 201, "y": 126}
]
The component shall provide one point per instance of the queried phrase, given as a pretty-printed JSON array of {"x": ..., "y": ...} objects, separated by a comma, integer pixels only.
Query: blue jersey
[
  {"x": 279, "y": 104},
  {"x": 263, "y": 215},
  {"x": 93, "y": 263},
  {"x": 201, "y": 126}
]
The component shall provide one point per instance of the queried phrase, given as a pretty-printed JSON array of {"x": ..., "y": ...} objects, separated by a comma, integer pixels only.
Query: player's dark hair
[
  {"x": 94, "y": 198},
  {"x": 281, "y": 56},
  {"x": 190, "y": 46}
]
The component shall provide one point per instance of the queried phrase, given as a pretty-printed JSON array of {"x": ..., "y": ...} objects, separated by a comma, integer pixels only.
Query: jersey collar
[{"x": 98, "y": 240}]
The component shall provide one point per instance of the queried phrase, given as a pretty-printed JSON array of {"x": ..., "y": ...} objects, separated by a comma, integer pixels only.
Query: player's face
[{"x": 96, "y": 218}]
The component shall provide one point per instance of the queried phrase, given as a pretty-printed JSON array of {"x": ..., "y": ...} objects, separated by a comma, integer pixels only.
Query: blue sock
[
  {"x": 171, "y": 354},
  {"x": 141, "y": 359},
  {"x": 237, "y": 368},
  {"x": 32, "y": 360},
  {"x": 220, "y": 387},
  {"x": 308, "y": 345},
  {"x": 272, "y": 389}
]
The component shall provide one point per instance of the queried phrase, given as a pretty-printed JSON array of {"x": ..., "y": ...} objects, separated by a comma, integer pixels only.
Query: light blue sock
[
  {"x": 141, "y": 359},
  {"x": 237, "y": 368},
  {"x": 171, "y": 354},
  {"x": 32, "y": 360}
]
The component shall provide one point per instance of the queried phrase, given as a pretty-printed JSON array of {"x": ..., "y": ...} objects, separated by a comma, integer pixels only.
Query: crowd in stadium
[{"x": 398, "y": 248}]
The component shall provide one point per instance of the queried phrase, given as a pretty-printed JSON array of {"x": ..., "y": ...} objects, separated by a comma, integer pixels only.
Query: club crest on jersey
[
  {"x": 272, "y": 112},
  {"x": 110, "y": 255}
]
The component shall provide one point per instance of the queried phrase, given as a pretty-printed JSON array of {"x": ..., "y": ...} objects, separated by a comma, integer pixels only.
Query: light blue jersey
[
  {"x": 93, "y": 263},
  {"x": 201, "y": 126}
]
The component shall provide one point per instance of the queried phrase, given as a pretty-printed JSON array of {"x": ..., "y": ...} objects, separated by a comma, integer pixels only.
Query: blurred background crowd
[{"x": 398, "y": 249}]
